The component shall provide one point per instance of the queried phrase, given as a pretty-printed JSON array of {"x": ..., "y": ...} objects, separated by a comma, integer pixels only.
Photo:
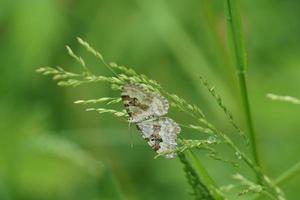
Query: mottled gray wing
[
  {"x": 142, "y": 105},
  {"x": 160, "y": 133}
]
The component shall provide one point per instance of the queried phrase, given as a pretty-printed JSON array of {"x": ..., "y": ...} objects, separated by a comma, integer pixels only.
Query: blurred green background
[{"x": 53, "y": 149}]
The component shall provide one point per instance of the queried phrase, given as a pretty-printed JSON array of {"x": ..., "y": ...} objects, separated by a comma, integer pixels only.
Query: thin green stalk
[
  {"x": 288, "y": 174},
  {"x": 285, "y": 176},
  {"x": 204, "y": 175},
  {"x": 245, "y": 99},
  {"x": 235, "y": 37}
]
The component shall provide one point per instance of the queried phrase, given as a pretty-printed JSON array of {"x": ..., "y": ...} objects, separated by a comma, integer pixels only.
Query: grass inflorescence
[
  {"x": 203, "y": 185},
  {"x": 288, "y": 99}
]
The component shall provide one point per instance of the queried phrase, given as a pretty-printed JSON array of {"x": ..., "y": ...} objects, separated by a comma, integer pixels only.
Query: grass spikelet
[
  {"x": 201, "y": 129},
  {"x": 220, "y": 102},
  {"x": 58, "y": 73},
  {"x": 190, "y": 144},
  {"x": 287, "y": 99},
  {"x": 110, "y": 111},
  {"x": 107, "y": 100},
  {"x": 89, "y": 48},
  {"x": 77, "y": 58},
  {"x": 126, "y": 70},
  {"x": 183, "y": 106},
  {"x": 249, "y": 186}
]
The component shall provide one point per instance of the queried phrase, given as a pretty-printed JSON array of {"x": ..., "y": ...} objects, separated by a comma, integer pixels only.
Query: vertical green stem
[
  {"x": 204, "y": 174},
  {"x": 245, "y": 99},
  {"x": 235, "y": 37}
]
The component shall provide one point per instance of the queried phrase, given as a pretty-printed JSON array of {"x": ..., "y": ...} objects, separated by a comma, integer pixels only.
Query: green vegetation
[{"x": 52, "y": 149}]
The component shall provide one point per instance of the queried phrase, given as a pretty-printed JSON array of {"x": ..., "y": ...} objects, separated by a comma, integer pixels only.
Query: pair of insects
[{"x": 146, "y": 110}]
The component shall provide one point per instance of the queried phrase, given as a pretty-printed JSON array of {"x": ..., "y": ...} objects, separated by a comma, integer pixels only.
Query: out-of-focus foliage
[{"x": 52, "y": 149}]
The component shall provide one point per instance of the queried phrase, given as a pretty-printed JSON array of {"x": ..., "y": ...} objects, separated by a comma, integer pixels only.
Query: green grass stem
[
  {"x": 236, "y": 40},
  {"x": 288, "y": 174},
  {"x": 204, "y": 174}
]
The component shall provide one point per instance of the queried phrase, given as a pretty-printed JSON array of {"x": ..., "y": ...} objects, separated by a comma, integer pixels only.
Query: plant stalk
[
  {"x": 204, "y": 175},
  {"x": 236, "y": 40},
  {"x": 248, "y": 116},
  {"x": 288, "y": 174}
]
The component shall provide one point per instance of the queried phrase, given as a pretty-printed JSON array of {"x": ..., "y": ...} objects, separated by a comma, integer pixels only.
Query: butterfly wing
[
  {"x": 141, "y": 104},
  {"x": 160, "y": 134}
]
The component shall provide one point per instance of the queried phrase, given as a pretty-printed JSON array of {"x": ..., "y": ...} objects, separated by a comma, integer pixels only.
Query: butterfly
[{"x": 146, "y": 110}]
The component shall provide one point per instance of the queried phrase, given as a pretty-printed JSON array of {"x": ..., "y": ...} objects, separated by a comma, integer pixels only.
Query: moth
[{"x": 146, "y": 110}]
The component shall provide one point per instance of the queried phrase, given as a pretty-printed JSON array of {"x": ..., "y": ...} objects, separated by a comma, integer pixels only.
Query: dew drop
[
  {"x": 238, "y": 155},
  {"x": 211, "y": 139}
]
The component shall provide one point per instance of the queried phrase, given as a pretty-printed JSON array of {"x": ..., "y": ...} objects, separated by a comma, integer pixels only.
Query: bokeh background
[{"x": 53, "y": 149}]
